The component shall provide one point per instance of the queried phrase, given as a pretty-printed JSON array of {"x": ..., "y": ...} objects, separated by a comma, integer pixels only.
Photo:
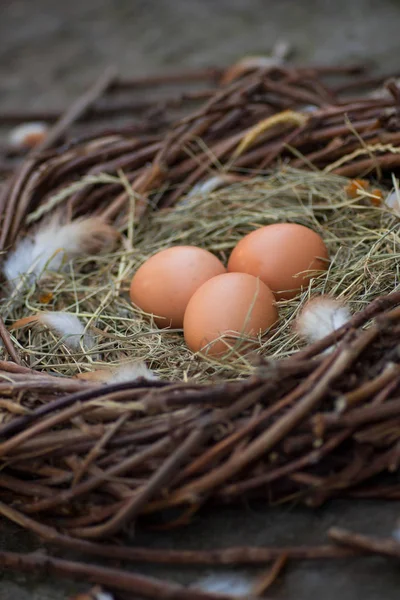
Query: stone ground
[{"x": 49, "y": 51}]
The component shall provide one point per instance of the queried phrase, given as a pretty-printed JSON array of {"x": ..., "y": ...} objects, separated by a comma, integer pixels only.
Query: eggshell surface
[
  {"x": 281, "y": 254},
  {"x": 164, "y": 284},
  {"x": 231, "y": 304}
]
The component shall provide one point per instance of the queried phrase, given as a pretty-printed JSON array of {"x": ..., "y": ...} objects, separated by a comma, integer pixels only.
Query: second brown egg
[{"x": 284, "y": 255}]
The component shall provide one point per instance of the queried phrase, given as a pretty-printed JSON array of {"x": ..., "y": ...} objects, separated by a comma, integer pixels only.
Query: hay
[{"x": 363, "y": 242}]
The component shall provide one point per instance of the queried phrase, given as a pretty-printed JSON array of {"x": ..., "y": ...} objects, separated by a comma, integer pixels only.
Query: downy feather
[
  {"x": 65, "y": 325},
  {"x": 54, "y": 243},
  {"x": 233, "y": 584},
  {"x": 124, "y": 373},
  {"x": 320, "y": 317}
]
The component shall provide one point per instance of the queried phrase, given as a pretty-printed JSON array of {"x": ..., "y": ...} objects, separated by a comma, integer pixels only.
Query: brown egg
[
  {"x": 164, "y": 284},
  {"x": 231, "y": 304},
  {"x": 285, "y": 256}
]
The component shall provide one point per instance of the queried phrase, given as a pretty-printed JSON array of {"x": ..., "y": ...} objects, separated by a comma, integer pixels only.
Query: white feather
[
  {"x": 127, "y": 372},
  {"x": 94, "y": 594},
  {"x": 392, "y": 201},
  {"x": 206, "y": 187},
  {"x": 19, "y": 261},
  {"x": 131, "y": 372},
  {"x": 381, "y": 93},
  {"x": 27, "y": 135},
  {"x": 213, "y": 183},
  {"x": 321, "y": 317},
  {"x": 309, "y": 108},
  {"x": 281, "y": 50},
  {"x": 68, "y": 327},
  {"x": 103, "y": 596},
  {"x": 234, "y": 584},
  {"x": 52, "y": 244},
  {"x": 396, "y": 533}
]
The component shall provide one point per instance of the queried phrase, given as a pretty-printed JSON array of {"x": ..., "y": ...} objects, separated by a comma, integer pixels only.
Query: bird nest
[{"x": 223, "y": 153}]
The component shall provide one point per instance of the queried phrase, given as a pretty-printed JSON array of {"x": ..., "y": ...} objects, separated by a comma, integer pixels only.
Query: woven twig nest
[{"x": 87, "y": 459}]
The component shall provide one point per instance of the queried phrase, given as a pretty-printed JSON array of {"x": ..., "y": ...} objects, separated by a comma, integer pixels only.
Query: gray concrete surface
[
  {"x": 364, "y": 579},
  {"x": 49, "y": 51}
]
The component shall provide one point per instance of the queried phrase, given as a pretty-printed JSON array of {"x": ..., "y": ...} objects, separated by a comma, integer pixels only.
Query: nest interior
[{"x": 86, "y": 459}]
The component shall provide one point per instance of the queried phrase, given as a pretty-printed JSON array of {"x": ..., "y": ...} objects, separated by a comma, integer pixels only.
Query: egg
[
  {"x": 164, "y": 284},
  {"x": 232, "y": 304},
  {"x": 285, "y": 256}
]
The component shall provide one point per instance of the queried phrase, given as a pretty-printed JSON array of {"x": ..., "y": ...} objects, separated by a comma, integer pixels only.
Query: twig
[
  {"x": 114, "y": 579},
  {"x": 98, "y": 447},
  {"x": 370, "y": 544},
  {"x": 65, "y": 402},
  {"x": 129, "y": 511},
  {"x": 222, "y": 556},
  {"x": 9, "y": 346},
  {"x": 266, "y": 580}
]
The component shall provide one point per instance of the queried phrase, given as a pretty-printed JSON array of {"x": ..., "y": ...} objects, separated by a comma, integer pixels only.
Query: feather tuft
[
  {"x": 320, "y": 317},
  {"x": 65, "y": 325},
  {"x": 213, "y": 183},
  {"x": 279, "y": 54},
  {"x": 232, "y": 584},
  {"x": 96, "y": 593},
  {"x": 27, "y": 135},
  {"x": 131, "y": 372},
  {"x": 396, "y": 532},
  {"x": 54, "y": 243},
  {"x": 392, "y": 201},
  {"x": 124, "y": 373}
]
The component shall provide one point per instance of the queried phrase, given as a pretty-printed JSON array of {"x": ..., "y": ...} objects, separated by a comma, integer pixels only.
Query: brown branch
[
  {"x": 85, "y": 396},
  {"x": 361, "y": 168},
  {"x": 245, "y": 555},
  {"x": 115, "y": 579},
  {"x": 336, "y": 366},
  {"x": 95, "y": 482},
  {"x": 160, "y": 478},
  {"x": 370, "y": 544},
  {"x": 265, "y": 581},
  {"x": 99, "y": 446},
  {"x": 9, "y": 346},
  {"x": 359, "y": 416}
]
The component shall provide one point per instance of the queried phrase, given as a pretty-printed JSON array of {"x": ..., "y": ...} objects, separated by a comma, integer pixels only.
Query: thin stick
[
  {"x": 370, "y": 544},
  {"x": 115, "y": 579},
  {"x": 9, "y": 346},
  {"x": 66, "y": 401},
  {"x": 359, "y": 416},
  {"x": 98, "y": 447},
  {"x": 139, "y": 499},
  {"x": 53, "y": 420},
  {"x": 267, "y": 579},
  {"x": 245, "y": 555}
]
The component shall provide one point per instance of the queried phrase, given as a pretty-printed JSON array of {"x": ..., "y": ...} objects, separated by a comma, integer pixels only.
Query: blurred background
[{"x": 50, "y": 52}]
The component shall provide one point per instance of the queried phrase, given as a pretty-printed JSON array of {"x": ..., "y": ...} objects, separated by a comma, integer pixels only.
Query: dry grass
[{"x": 363, "y": 241}]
